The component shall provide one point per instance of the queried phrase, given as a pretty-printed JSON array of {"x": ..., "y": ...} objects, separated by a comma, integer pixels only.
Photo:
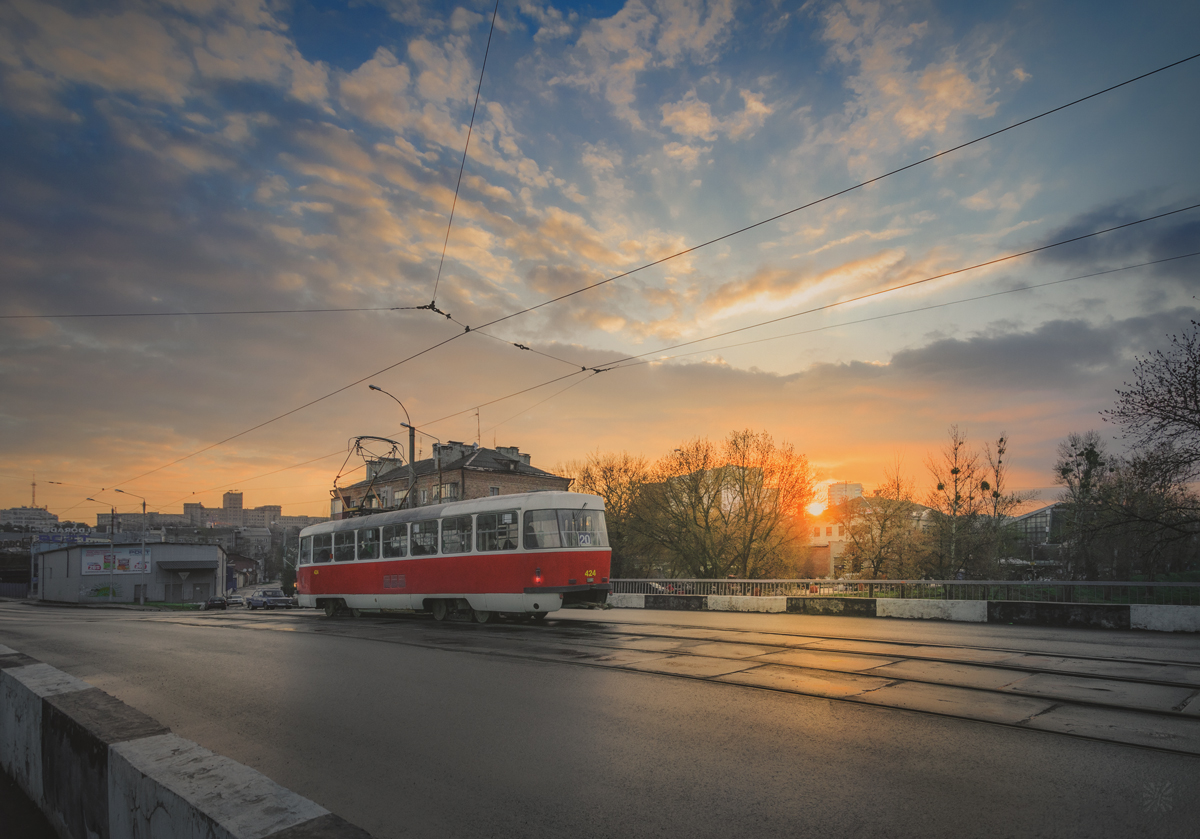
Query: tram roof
[{"x": 544, "y": 500}]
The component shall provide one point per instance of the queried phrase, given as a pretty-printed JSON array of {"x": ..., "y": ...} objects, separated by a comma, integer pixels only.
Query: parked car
[
  {"x": 213, "y": 603},
  {"x": 269, "y": 598},
  {"x": 235, "y": 600}
]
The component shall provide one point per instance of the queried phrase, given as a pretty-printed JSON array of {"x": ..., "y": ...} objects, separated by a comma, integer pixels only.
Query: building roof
[{"x": 457, "y": 456}]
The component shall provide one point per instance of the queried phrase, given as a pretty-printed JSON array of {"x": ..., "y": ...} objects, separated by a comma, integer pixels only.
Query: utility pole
[{"x": 145, "y": 562}]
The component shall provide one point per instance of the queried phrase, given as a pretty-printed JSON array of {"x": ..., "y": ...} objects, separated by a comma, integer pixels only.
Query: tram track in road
[{"x": 1134, "y": 701}]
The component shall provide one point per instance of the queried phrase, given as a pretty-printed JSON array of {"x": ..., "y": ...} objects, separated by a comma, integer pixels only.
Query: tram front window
[
  {"x": 582, "y": 528},
  {"x": 565, "y": 529}
]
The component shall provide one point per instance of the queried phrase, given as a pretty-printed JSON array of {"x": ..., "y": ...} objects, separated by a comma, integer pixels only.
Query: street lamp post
[
  {"x": 412, "y": 445},
  {"x": 112, "y": 551},
  {"x": 145, "y": 562}
]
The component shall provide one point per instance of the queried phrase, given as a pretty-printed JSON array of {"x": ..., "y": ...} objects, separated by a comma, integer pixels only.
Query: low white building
[{"x": 170, "y": 572}]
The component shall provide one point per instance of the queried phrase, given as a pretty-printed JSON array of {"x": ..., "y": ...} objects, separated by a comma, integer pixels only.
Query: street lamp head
[{"x": 372, "y": 387}]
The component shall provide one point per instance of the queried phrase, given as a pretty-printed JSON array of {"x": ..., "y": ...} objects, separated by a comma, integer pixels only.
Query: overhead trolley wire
[
  {"x": 827, "y": 327},
  {"x": 837, "y": 194},
  {"x": 684, "y": 252},
  {"x": 621, "y": 363},
  {"x": 216, "y": 312},
  {"x": 466, "y": 146},
  {"x": 902, "y": 286},
  {"x": 308, "y": 404},
  {"x": 468, "y": 329}
]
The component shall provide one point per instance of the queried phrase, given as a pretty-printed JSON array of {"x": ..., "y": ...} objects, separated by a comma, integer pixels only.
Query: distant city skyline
[{"x": 293, "y": 166}]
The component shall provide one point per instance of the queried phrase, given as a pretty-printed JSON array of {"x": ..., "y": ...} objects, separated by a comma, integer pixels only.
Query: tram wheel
[
  {"x": 482, "y": 616},
  {"x": 356, "y": 613},
  {"x": 332, "y": 607},
  {"x": 439, "y": 610},
  {"x": 538, "y": 617}
]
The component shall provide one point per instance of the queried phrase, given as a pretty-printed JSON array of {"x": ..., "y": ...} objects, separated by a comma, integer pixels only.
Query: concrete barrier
[
  {"x": 859, "y": 607},
  {"x": 627, "y": 601},
  {"x": 1088, "y": 615},
  {"x": 970, "y": 611},
  {"x": 99, "y": 769},
  {"x": 1165, "y": 618},
  {"x": 730, "y": 603},
  {"x": 1081, "y": 615}
]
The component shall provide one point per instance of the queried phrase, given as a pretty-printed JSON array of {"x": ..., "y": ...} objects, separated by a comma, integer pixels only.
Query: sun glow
[{"x": 816, "y": 508}]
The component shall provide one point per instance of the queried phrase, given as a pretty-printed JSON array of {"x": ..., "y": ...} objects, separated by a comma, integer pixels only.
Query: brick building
[{"x": 456, "y": 471}]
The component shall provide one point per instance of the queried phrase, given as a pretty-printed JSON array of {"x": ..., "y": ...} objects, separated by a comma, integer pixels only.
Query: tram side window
[
  {"x": 306, "y": 550},
  {"x": 582, "y": 528},
  {"x": 456, "y": 535},
  {"x": 322, "y": 547},
  {"x": 368, "y": 543},
  {"x": 395, "y": 541},
  {"x": 343, "y": 546},
  {"x": 541, "y": 529},
  {"x": 497, "y": 531},
  {"x": 425, "y": 538}
]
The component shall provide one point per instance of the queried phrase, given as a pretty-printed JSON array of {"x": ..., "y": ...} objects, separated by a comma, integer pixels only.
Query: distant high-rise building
[{"x": 842, "y": 492}]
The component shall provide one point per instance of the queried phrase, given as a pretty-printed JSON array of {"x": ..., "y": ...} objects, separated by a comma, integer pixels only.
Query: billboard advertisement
[{"x": 123, "y": 560}]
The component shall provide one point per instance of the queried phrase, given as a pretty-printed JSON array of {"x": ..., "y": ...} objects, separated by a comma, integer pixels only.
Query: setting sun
[{"x": 816, "y": 508}]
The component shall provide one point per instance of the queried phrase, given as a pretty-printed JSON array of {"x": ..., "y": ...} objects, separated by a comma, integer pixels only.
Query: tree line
[{"x": 740, "y": 507}]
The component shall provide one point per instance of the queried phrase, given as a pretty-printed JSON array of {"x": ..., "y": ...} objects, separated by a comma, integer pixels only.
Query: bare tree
[
  {"x": 998, "y": 537},
  {"x": 619, "y": 479},
  {"x": 881, "y": 530},
  {"x": 956, "y": 504},
  {"x": 1083, "y": 468},
  {"x": 737, "y": 509},
  {"x": 1162, "y": 406}
]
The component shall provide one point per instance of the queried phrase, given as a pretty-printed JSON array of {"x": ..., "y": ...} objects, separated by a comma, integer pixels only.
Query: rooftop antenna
[
  {"x": 477, "y": 433},
  {"x": 34, "y": 485}
]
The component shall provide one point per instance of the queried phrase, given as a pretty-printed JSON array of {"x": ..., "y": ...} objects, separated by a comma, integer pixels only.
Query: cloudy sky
[{"x": 181, "y": 158}]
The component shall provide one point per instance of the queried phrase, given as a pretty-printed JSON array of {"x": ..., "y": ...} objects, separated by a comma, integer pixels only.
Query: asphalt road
[{"x": 628, "y": 723}]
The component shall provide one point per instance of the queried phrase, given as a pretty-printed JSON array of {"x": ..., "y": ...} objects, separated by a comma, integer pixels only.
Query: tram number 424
[{"x": 591, "y": 573}]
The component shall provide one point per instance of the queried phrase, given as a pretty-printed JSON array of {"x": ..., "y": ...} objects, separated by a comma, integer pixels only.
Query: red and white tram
[{"x": 525, "y": 554}]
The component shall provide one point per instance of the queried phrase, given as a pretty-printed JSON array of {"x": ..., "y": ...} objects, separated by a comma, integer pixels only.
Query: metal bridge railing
[{"x": 1160, "y": 594}]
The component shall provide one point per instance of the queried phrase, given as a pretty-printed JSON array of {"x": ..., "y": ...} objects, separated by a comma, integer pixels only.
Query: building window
[
  {"x": 493, "y": 490},
  {"x": 424, "y": 496},
  {"x": 839, "y": 530},
  {"x": 829, "y": 531},
  {"x": 816, "y": 531}
]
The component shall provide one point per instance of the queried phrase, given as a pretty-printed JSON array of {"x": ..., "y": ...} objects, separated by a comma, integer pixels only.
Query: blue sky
[{"x": 186, "y": 157}]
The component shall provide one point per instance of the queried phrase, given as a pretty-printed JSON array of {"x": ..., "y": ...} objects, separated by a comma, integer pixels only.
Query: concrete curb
[
  {"x": 99, "y": 769},
  {"x": 1088, "y": 615}
]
